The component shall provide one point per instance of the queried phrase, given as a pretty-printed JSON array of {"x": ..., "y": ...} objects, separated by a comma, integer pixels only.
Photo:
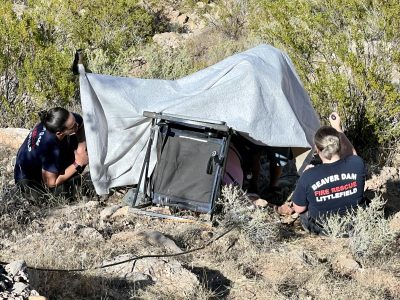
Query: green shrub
[
  {"x": 345, "y": 54},
  {"x": 38, "y": 44},
  {"x": 230, "y": 18}
]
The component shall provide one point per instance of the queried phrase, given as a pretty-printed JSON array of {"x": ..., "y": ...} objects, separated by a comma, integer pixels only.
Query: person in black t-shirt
[
  {"x": 333, "y": 187},
  {"x": 52, "y": 155}
]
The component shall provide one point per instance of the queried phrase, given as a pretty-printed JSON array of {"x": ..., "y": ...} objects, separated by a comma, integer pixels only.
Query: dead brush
[
  {"x": 367, "y": 228},
  {"x": 15, "y": 212},
  {"x": 258, "y": 226}
]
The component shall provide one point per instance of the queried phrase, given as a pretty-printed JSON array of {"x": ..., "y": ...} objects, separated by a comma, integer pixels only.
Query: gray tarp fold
[{"x": 256, "y": 92}]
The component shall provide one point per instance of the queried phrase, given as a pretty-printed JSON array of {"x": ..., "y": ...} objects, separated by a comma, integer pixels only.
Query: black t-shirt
[
  {"x": 43, "y": 150},
  {"x": 331, "y": 188}
]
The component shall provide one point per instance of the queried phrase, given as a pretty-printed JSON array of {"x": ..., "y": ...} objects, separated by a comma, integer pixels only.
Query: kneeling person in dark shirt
[
  {"x": 333, "y": 187},
  {"x": 52, "y": 156}
]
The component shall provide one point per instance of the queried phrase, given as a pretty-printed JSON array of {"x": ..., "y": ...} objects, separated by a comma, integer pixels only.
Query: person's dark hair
[
  {"x": 54, "y": 119},
  {"x": 327, "y": 141}
]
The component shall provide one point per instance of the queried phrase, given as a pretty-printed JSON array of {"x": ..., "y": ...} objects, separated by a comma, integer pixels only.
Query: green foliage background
[{"x": 346, "y": 52}]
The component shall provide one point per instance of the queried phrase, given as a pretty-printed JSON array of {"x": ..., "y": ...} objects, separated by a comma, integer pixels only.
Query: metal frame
[{"x": 202, "y": 124}]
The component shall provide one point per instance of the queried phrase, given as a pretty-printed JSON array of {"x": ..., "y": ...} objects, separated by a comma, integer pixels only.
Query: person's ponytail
[
  {"x": 54, "y": 119},
  {"x": 327, "y": 141},
  {"x": 43, "y": 116}
]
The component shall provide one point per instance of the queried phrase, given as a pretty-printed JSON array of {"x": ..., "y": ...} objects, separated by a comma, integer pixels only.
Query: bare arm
[
  {"x": 299, "y": 209},
  {"x": 53, "y": 179},
  {"x": 346, "y": 146},
  {"x": 81, "y": 158},
  {"x": 80, "y": 134}
]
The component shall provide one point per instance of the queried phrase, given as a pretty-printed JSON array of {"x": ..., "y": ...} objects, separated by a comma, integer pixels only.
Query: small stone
[
  {"x": 14, "y": 267},
  {"x": 345, "y": 265},
  {"x": 90, "y": 233},
  {"x": 200, "y": 4},
  {"x": 182, "y": 19},
  {"x": 121, "y": 213},
  {"x": 108, "y": 211},
  {"x": 260, "y": 203},
  {"x": 157, "y": 238},
  {"x": 161, "y": 210},
  {"x": 37, "y": 298},
  {"x": 92, "y": 204},
  {"x": 394, "y": 223},
  {"x": 173, "y": 14},
  {"x": 19, "y": 287},
  {"x": 206, "y": 235}
]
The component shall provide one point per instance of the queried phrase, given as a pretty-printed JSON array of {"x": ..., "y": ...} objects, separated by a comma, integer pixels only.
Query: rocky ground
[{"x": 70, "y": 250}]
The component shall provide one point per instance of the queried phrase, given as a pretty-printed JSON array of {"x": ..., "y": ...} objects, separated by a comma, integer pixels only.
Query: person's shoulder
[
  {"x": 311, "y": 172},
  {"x": 47, "y": 137},
  {"x": 354, "y": 159}
]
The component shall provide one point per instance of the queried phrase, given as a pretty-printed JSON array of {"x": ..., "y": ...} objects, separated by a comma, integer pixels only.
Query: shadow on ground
[
  {"x": 63, "y": 285},
  {"x": 213, "y": 280}
]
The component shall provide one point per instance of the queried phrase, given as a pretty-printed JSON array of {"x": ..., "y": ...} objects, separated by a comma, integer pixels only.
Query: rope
[{"x": 132, "y": 259}]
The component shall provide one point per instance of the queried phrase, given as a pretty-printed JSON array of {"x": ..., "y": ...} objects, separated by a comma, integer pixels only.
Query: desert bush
[
  {"x": 258, "y": 226},
  {"x": 346, "y": 55},
  {"x": 367, "y": 228},
  {"x": 371, "y": 233},
  {"x": 37, "y": 43},
  {"x": 230, "y": 18},
  {"x": 193, "y": 55}
]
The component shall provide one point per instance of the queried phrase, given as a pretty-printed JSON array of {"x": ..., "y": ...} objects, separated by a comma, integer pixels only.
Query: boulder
[
  {"x": 13, "y": 137},
  {"x": 168, "y": 39},
  {"x": 166, "y": 272}
]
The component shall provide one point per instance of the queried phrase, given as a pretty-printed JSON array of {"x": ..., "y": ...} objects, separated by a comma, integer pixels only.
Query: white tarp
[{"x": 256, "y": 92}]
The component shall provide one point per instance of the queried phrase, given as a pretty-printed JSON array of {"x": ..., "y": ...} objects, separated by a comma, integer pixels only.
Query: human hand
[
  {"x": 81, "y": 158},
  {"x": 309, "y": 167},
  {"x": 285, "y": 209},
  {"x": 334, "y": 119}
]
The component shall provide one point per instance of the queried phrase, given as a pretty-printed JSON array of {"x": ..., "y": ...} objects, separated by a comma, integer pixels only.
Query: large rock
[
  {"x": 13, "y": 137},
  {"x": 167, "y": 272},
  {"x": 168, "y": 39}
]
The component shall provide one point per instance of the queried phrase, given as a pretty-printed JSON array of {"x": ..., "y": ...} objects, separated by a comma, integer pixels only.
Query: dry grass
[
  {"x": 253, "y": 261},
  {"x": 260, "y": 227},
  {"x": 367, "y": 228}
]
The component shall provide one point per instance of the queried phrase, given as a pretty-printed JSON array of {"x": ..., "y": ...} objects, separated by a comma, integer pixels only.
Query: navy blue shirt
[
  {"x": 331, "y": 187},
  {"x": 43, "y": 150}
]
